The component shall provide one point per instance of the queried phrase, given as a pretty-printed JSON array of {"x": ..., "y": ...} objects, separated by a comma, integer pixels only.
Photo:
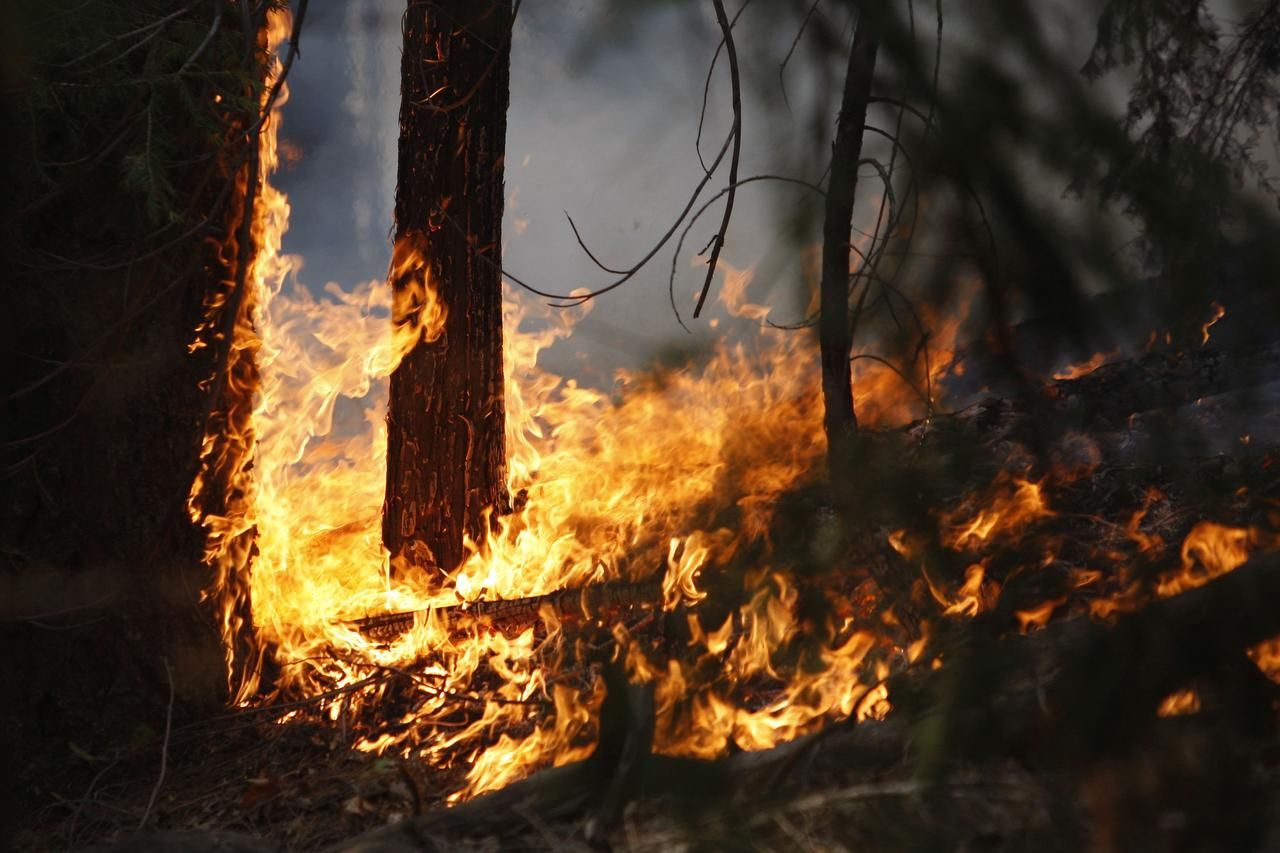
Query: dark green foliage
[
  {"x": 125, "y": 125},
  {"x": 118, "y": 96},
  {"x": 1201, "y": 119}
]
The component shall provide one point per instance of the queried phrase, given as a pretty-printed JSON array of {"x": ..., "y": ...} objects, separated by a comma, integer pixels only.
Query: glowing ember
[
  {"x": 1180, "y": 703},
  {"x": 1084, "y": 368},
  {"x": 1218, "y": 312}
]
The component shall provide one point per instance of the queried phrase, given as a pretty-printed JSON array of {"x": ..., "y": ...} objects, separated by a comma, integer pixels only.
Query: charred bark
[
  {"x": 446, "y": 455},
  {"x": 834, "y": 333}
]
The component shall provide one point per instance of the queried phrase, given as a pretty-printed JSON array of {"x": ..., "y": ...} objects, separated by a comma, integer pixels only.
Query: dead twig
[
  {"x": 200, "y": 49},
  {"x": 553, "y": 840},
  {"x": 164, "y": 749},
  {"x": 87, "y": 798},
  {"x": 782, "y": 67},
  {"x": 734, "y": 160},
  {"x": 706, "y": 88}
]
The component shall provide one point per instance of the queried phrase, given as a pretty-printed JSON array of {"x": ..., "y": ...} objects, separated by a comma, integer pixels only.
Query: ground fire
[
  {"x": 614, "y": 535},
  {"x": 617, "y": 495},
  {"x": 465, "y": 602}
]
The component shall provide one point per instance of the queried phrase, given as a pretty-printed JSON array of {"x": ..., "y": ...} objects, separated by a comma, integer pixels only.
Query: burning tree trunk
[
  {"x": 446, "y": 447},
  {"x": 840, "y": 422}
]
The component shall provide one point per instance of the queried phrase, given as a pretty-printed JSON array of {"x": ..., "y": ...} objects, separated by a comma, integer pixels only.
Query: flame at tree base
[
  {"x": 674, "y": 473},
  {"x": 677, "y": 475}
]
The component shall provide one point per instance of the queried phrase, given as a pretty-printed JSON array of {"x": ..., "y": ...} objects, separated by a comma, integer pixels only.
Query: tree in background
[{"x": 1200, "y": 121}]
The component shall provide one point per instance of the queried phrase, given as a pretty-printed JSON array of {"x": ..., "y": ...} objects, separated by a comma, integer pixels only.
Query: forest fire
[
  {"x": 890, "y": 534},
  {"x": 621, "y": 529},
  {"x": 615, "y": 491}
]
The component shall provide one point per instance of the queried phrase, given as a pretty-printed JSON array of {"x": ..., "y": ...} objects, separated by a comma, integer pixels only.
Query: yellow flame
[
  {"x": 619, "y": 483},
  {"x": 417, "y": 314},
  {"x": 1010, "y": 504},
  {"x": 1179, "y": 703}
]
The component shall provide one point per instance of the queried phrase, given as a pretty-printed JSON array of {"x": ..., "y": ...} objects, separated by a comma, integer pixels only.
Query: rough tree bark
[
  {"x": 446, "y": 455},
  {"x": 834, "y": 335}
]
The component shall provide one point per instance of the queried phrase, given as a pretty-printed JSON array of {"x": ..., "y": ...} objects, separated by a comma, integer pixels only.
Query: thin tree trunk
[
  {"x": 446, "y": 454},
  {"x": 835, "y": 337}
]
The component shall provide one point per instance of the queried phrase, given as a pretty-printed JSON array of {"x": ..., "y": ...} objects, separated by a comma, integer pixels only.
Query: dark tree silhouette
[{"x": 835, "y": 333}]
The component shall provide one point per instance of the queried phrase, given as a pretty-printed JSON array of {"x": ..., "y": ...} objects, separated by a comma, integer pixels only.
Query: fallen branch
[{"x": 592, "y": 603}]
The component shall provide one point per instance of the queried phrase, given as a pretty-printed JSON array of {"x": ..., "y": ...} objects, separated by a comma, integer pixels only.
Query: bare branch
[
  {"x": 906, "y": 380},
  {"x": 572, "y": 299},
  {"x": 706, "y": 87},
  {"x": 675, "y": 256},
  {"x": 707, "y": 172},
  {"x": 782, "y": 67},
  {"x": 718, "y": 240}
]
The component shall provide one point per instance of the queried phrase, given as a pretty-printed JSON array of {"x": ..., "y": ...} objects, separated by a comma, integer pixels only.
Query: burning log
[{"x": 592, "y": 603}]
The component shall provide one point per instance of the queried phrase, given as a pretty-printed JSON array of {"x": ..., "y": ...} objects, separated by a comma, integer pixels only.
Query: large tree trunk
[
  {"x": 446, "y": 454},
  {"x": 834, "y": 335}
]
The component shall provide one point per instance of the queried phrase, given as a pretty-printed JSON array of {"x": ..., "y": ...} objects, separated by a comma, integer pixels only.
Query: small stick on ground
[{"x": 164, "y": 749}]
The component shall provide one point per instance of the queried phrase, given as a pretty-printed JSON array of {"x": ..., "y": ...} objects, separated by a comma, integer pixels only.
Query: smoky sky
[
  {"x": 603, "y": 122},
  {"x": 602, "y": 125}
]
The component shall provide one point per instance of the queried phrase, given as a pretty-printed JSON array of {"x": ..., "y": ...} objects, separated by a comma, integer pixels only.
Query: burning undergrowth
[{"x": 677, "y": 523}]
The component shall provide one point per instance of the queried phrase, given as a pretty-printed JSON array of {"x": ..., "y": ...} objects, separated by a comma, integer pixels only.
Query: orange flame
[
  {"x": 1179, "y": 703},
  {"x": 1218, "y": 312},
  {"x": 1208, "y": 551},
  {"x": 1010, "y": 504},
  {"x": 1084, "y": 368},
  {"x": 617, "y": 484}
]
